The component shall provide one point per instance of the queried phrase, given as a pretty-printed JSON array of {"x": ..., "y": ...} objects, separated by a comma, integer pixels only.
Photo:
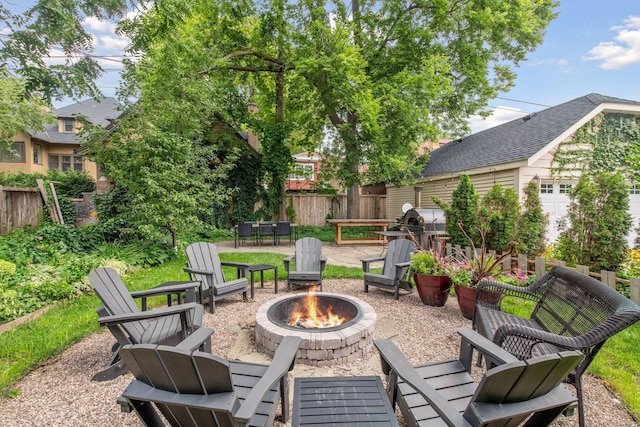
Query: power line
[{"x": 523, "y": 102}]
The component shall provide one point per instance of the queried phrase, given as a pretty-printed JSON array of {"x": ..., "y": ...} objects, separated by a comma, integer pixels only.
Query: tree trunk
[{"x": 353, "y": 201}]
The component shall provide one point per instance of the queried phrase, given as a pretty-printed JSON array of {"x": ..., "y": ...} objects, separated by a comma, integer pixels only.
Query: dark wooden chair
[
  {"x": 199, "y": 389},
  {"x": 308, "y": 263},
  {"x": 204, "y": 266},
  {"x": 266, "y": 230},
  {"x": 512, "y": 393},
  {"x": 395, "y": 269},
  {"x": 283, "y": 229},
  {"x": 244, "y": 232},
  {"x": 570, "y": 310},
  {"x": 130, "y": 325}
]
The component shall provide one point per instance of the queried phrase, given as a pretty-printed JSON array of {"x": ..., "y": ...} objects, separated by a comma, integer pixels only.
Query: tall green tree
[
  {"x": 532, "y": 225},
  {"x": 463, "y": 214},
  {"x": 501, "y": 211},
  {"x": 17, "y": 111},
  {"x": 597, "y": 222},
  {"x": 382, "y": 76},
  {"x": 52, "y": 24}
]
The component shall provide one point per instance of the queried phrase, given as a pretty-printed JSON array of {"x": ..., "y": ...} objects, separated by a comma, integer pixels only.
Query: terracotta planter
[
  {"x": 466, "y": 296},
  {"x": 433, "y": 290}
]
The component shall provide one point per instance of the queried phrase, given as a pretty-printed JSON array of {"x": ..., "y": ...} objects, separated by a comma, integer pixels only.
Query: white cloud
[
  {"x": 498, "y": 116},
  {"x": 624, "y": 51},
  {"x": 93, "y": 24}
]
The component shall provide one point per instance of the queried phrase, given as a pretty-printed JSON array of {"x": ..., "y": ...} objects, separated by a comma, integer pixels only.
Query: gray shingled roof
[
  {"x": 514, "y": 141},
  {"x": 100, "y": 113}
]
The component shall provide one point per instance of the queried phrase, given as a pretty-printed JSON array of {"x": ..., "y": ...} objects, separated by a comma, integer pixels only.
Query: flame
[{"x": 307, "y": 314}]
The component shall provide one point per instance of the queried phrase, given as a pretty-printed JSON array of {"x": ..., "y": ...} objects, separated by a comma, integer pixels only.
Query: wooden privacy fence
[
  {"x": 315, "y": 209},
  {"x": 539, "y": 266},
  {"x": 18, "y": 207}
]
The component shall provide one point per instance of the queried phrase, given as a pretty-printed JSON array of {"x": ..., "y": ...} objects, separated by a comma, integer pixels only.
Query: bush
[{"x": 532, "y": 226}]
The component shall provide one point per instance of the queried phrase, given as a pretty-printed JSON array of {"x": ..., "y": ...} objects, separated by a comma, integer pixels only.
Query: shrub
[
  {"x": 532, "y": 225},
  {"x": 463, "y": 212},
  {"x": 501, "y": 211}
]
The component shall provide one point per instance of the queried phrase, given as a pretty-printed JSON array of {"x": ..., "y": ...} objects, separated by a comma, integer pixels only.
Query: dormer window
[{"x": 69, "y": 125}]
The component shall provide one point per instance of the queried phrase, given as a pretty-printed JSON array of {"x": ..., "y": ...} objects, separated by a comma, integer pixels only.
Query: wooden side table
[
  {"x": 349, "y": 401},
  {"x": 252, "y": 269}
]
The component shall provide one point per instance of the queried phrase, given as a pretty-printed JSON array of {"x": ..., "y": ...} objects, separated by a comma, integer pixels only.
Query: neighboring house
[
  {"x": 512, "y": 155},
  {"x": 57, "y": 146},
  {"x": 307, "y": 175}
]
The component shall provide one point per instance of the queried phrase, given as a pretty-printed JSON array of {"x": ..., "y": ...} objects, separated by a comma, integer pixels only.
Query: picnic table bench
[{"x": 570, "y": 310}]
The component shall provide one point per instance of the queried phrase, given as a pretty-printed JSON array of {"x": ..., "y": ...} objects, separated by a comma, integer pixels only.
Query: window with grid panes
[
  {"x": 65, "y": 162},
  {"x": 546, "y": 188}
]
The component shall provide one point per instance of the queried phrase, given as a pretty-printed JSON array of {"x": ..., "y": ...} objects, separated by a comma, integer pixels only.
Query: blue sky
[{"x": 593, "y": 46}]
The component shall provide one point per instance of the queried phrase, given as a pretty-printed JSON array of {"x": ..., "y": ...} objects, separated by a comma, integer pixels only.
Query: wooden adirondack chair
[
  {"x": 198, "y": 389},
  {"x": 204, "y": 266},
  {"x": 130, "y": 325},
  {"x": 308, "y": 263},
  {"x": 394, "y": 270},
  {"x": 512, "y": 393}
]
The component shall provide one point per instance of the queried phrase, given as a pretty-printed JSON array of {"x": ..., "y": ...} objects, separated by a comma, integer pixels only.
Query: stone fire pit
[{"x": 320, "y": 347}]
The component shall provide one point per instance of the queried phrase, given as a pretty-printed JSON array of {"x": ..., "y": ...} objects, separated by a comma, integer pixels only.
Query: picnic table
[{"x": 381, "y": 224}]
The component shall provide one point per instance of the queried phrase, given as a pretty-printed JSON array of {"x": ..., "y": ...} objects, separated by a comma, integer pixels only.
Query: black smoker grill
[{"x": 425, "y": 225}]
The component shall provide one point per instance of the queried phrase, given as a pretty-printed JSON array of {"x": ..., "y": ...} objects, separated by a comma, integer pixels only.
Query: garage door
[{"x": 555, "y": 201}]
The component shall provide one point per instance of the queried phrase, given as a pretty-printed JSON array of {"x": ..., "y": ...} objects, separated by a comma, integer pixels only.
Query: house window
[
  {"x": 69, "y": 125},
  {"x": 13, "y": 154},
  {"x": 565, "y": 188},
  {"x": 546, "y": 188},
  {"x": 302, "y": 172},
  {"x": 65, "y": 162},
  {"x": 37, "y": 154},
  {"x": 635, "y": 189}
]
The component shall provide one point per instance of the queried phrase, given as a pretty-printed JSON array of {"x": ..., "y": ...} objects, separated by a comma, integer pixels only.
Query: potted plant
[
  {"x": 430, "y": 277},
  {"x": 467, "y": 272}
]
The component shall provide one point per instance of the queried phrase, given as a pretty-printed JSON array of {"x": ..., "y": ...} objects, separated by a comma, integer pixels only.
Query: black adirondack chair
[
  {"x": 394, "y": 270},
  {"x": 198, "y": 389},
  {"x": 130, "y": 325},
  {"x": 308, "y": 263},
  {"x": 512, "y": 393},
  {"x": 204, "y": 266}
]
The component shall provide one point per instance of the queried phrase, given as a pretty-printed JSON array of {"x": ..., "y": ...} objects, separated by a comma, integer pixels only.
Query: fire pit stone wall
[{"x": 320, "y": 348}]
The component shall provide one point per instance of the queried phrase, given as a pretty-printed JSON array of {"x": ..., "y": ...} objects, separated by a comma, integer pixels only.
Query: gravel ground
[{"x": 60, "y": 392}]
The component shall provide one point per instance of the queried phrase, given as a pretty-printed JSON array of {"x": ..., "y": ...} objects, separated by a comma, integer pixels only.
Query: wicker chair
[{"x": 570, "y": 311}]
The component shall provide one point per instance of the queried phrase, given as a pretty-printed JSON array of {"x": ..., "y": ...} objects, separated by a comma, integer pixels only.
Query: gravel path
[{"x": 60, "y": 392}]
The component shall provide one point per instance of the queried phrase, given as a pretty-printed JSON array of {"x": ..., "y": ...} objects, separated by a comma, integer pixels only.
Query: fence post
[
  {"x": 448, "y": 249},
  {"x": 609, "y": 279},
  {"x": 523, "y": 263},
  {"x": 506, "y": 263},
  {"x": 635, "y": 290},
  {"x": 540, "y": 267},
  {"x": 582, "y": 269}
]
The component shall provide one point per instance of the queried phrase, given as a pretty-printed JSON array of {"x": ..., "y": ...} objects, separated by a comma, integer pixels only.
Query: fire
[{"x": 307, "y": 314}]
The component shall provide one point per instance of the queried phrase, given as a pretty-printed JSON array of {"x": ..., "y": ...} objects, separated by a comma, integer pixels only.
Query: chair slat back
[
  {"x": 308, "y": 254},
  {"x": 115, "y": 297},
  {"x": 524, "y": 380},
  {"x": 204, "y": 256},
  {"x": 398, "y": 251},
  {"x": 180, "y": 371},
  {"x": 245, "y": 229}
]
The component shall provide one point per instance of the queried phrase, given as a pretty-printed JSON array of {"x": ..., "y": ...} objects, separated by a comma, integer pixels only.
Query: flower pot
[
  {"x": 466, "y": 296},
  {"x": 433, "y": 290}
]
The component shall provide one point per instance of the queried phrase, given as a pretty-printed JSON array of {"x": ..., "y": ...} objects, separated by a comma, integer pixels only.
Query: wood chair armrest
[
  {"x": 164, "y": 290},
  {"x": 146, "y": 315},
  {"x": 366, "y": 262},
  {"x": 199, "y": 339},
  {"x": 323, "y": 263},
  {"x": 393, "y": 360},
  {"x": 242, "y": 267},
  {"x": 191, "y": 270},
  {"x": 282, "y": 362},
  {"x": 471, "y": 340},
  {"x": 137, "y": 391},
  {"x": 287, "y": 262}
]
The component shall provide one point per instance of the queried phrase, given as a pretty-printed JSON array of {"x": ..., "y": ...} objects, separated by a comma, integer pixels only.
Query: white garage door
[{"x": 555, "y": 201}]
